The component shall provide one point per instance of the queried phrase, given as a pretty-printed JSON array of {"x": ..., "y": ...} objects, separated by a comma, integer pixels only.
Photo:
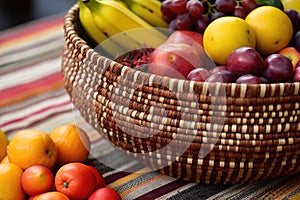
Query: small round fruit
[
  {"x": 72, "y": 143},
  {"x": 53, "y": 195},
  {"x": 223, "y": 76},
  {"x": 198, "y": 74},
  {"x": 291, "y": 4},
  {"x": 224, "y": 35},
  {"x": 195, "y": 8},
  {"x": 296, "y": 77},
  {"x": 273, "y": 28},
  {"x": 278, "y": 69},
  {"x": 32, "y": 147},
  {"x": 248, "y": 79},
  {"x": 297, "y": 40},
  {"x": 37, "y": 179},
  {"x": 245, "y": 60},
  {"x": 3, "y": 144},
  {"x": 10, "y": 182},
  {"x": 217, "y": 69},
  {"x": 297, "y": 64},
  {"x": 178, "y": 6},
  {"x": 75, "y": 180},
  {"x": 104, "y": 194},
  {"x": 249, "y": 5}
]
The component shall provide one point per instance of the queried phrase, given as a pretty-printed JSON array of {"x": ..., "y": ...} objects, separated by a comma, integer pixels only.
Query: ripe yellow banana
[
  {"x": 109, "y": 49},
  {"x": 149, "y": 10},
  {"x": 123, "y": 26},
  {"x": 87, "y": 22}
]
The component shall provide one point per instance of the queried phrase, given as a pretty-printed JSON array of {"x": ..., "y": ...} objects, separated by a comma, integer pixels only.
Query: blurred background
[{"x": 16, "y": 12}]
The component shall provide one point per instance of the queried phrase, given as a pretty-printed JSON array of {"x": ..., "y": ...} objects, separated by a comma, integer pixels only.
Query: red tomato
[
  {"x": 104, "y": 194},
  {"x": 75, "y": 180},
  {"x": 100, "y": 182},
  {"x": 37, "y": 179}
]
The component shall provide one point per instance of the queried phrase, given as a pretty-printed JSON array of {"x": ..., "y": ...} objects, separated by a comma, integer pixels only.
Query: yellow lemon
[
  {"x": 226, "y": 34},
  {"x": 291, "y": 4},
  {"x": 3, "y": 144},
  {"x": 273, "y": 28}
]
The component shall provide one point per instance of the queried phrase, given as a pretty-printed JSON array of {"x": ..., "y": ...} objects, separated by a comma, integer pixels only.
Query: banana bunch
[
  {"x": 149, "y": 10},
  {"x": 122, "y": 26}
]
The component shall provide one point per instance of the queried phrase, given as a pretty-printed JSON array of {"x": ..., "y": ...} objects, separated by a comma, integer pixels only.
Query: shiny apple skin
[
  {"x": 186, "y": 36},
  {"x": 174, "y": 60}
]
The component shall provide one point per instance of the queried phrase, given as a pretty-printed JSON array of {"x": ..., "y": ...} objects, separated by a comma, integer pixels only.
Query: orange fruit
[
  {"x": 3, "y": 144},
  {"x": 10, "y": 182},
  {"x": 72, "y": 142},
  {"x": 32, "y": 147},
  {"x": 53, "y": 195}
]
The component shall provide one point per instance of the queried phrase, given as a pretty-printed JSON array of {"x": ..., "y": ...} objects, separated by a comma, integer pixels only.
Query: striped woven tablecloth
[{"x": 32, "y": 96}]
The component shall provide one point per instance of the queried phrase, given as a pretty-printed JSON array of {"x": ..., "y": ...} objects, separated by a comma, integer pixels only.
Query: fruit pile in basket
[
  {"x": 36, "y": 165},
  {"x": 231, "y": 41}
]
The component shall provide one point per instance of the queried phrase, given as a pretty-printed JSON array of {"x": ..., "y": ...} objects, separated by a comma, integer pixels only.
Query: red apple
[
  {"x": 193, "y": 39},
  {"x": 292, "y": 54},
  {"x": 104, "y": 194},
  {"x": 185, "y": 36},
  {"x": 37, "y": 179},
  {"x": 174, "y": 60}
]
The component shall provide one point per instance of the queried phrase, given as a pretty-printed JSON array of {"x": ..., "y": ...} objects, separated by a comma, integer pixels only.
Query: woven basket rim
[{"x": 79, "y": 41}]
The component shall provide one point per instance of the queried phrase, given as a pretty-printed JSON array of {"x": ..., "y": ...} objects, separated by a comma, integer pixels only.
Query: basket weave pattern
[{"x": 210, "y": 133}]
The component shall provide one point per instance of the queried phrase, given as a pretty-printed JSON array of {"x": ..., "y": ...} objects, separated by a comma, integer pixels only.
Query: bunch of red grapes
[{"x": 197, "y": 14}]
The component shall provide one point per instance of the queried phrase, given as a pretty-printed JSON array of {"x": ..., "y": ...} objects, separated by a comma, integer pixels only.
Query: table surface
[{"x": 32, "y": 96}]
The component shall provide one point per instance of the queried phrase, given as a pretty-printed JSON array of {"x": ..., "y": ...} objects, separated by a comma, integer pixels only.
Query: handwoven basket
[{"x": 211, "y": 133}]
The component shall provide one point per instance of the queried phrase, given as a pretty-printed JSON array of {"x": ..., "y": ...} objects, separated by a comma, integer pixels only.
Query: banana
[
  {"x": 87, "y": 22},
  {"x": 123, "y": 26},
  {"x": 108, "y": 49},
  {"x": 149, "y": 10}
]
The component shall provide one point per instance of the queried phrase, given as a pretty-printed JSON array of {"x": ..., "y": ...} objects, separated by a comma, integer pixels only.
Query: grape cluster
[
  {"x": 197, "y": 14},
  {"x": 295, "y": 19}
]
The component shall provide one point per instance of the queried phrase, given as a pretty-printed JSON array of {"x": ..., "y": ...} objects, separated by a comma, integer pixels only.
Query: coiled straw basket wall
[{"x": 211, "y": 133}]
